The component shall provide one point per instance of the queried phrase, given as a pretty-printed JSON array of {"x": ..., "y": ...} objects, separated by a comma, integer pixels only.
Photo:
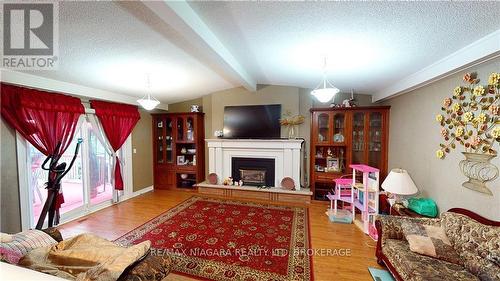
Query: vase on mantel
[
  {"x": 479, "y": 170},
  {"x": 292, "y": 131}
]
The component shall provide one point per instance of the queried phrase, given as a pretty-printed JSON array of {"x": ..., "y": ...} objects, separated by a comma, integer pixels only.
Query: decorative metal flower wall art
[{"x": 471, "y": 118}]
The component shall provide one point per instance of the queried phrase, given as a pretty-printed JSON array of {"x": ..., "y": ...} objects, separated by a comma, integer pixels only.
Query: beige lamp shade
[{"x": 399, "y": 182}]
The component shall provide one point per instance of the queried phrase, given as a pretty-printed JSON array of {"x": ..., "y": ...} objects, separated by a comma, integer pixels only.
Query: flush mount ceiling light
[
  {"x": 325, "y": 90},
  {"x": 148, "y": 102}
]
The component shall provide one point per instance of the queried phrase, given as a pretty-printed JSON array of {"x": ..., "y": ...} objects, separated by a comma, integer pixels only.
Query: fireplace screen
[
  {"x": 253, "y": 177},
  {"x": 253, "y": 171}
]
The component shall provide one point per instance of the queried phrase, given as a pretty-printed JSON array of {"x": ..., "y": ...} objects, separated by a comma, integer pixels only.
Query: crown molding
[{"x": 482, "y": 50}]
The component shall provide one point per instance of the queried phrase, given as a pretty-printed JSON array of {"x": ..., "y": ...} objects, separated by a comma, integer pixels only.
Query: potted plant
[{"x": 471, "y": 119}]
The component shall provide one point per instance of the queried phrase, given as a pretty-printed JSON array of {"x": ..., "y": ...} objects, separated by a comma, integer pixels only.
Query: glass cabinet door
[
  {"x": 190, "y": 129},
  {"x": 160, "y": 142},
  {"x": 180, "y": 129},
  {"x": 338, "y": 128},
  {"x": 323, "y": 133},
  {"x": 169, "y": 141},
  {"x": 375, "y": 139},
  {"x": 358, "y": 138}
]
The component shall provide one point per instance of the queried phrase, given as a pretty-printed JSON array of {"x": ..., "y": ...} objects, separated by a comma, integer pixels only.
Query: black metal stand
[{"x": 56, "y": 173}]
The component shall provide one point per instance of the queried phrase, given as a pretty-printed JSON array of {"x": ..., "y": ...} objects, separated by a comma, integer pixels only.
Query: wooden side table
[{"x": 399, "y": 209}]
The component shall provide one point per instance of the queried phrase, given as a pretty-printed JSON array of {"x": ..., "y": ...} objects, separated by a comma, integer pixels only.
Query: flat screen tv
[{"x": 252, "y": 121}]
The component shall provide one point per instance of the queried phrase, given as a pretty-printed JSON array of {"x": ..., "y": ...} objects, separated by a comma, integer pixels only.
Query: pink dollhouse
[{"x": 362, "y": 193}]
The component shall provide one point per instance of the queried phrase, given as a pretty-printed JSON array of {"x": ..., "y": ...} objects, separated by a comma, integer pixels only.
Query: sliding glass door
[
  {"x": 87, "y": 185},
  {"x": 100, "y": 166},
  {"x": 72, "y": 184}
]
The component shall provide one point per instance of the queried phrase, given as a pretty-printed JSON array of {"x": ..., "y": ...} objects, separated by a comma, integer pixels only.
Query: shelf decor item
[
  {"x": 287, "y": 183},
  {"x": 195, "y": 108},
  {"x": 332, "y": 164},
  {"x": 292, "y": 122},
  {"x": 471, "y": 119},
  {"x": 181, "y": 160},
  {"x": 338, "y": 137}
]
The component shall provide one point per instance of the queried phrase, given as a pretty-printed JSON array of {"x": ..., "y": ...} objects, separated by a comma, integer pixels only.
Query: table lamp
[{"x": 399, "y": 182}]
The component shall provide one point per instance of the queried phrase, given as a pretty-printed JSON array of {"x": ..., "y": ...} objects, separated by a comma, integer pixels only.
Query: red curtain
[
  {"x": 118, "y": 121},
  {"x": 42, "y": 118}
]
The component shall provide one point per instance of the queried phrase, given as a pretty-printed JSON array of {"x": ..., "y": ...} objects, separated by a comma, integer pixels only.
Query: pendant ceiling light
[
  {"x": 325, "y": 90},
  {"x": 148, "y": 102}
]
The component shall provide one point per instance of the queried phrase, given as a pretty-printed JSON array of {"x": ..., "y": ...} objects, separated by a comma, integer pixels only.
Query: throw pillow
[
  {"x": 4, "y": 237},
  {"x": 24, "y": 242},
  {"x": 430, "y": 241},
  {"x": 9, "y": 256}
]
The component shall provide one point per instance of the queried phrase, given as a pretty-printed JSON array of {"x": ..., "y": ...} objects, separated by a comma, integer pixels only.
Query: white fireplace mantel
[{"x": 285, "y": 152}]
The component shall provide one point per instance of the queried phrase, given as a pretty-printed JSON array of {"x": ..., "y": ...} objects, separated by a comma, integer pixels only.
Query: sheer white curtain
[{"x": 99, "y": 132}]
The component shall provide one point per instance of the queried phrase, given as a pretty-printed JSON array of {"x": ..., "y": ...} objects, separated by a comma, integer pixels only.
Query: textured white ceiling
[
  {"x": 113, "y": 46},
  {"x": 369, "y": 45}
]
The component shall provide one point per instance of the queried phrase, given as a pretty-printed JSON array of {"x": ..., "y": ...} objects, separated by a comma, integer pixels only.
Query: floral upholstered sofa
[{"x": 475, "y": 239}]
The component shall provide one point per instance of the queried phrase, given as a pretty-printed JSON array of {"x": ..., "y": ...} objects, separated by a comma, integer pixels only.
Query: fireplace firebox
[{"x": 253, "y": 171}]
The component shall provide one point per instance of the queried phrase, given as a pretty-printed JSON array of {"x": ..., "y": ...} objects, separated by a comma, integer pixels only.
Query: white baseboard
[
  {"x": 144, "y": 190},
  {"x": 137, "y": 193}
]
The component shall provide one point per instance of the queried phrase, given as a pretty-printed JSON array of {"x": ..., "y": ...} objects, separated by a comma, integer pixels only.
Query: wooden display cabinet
[
  {"x": 344, "y": 136},
  {"x": 178, "y": 150}
]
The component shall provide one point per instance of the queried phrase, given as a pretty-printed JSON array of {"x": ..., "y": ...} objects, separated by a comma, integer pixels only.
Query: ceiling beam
[
  {"x": 482, "y": 50},
  {"x": 51, "y": 85},
  {"x": 181, "y": 17}
]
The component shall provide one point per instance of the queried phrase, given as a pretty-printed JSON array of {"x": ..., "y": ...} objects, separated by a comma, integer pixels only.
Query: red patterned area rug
[{"x": 231, "y": 240}]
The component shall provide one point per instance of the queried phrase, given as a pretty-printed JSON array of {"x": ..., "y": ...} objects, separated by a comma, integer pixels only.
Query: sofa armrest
[
  {"x": 54, "y": 233},
  {"x": 150, "y": 268}
]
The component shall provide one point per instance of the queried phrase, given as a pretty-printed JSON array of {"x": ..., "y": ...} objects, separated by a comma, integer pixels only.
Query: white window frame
[{"x": 26, "y": 197}]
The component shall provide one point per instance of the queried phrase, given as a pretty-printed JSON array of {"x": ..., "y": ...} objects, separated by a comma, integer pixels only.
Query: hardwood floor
[{"x": 117, "y": 220}]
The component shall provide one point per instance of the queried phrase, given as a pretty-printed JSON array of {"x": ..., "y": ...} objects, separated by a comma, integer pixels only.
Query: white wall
[{"x": 10, "y": 211}]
